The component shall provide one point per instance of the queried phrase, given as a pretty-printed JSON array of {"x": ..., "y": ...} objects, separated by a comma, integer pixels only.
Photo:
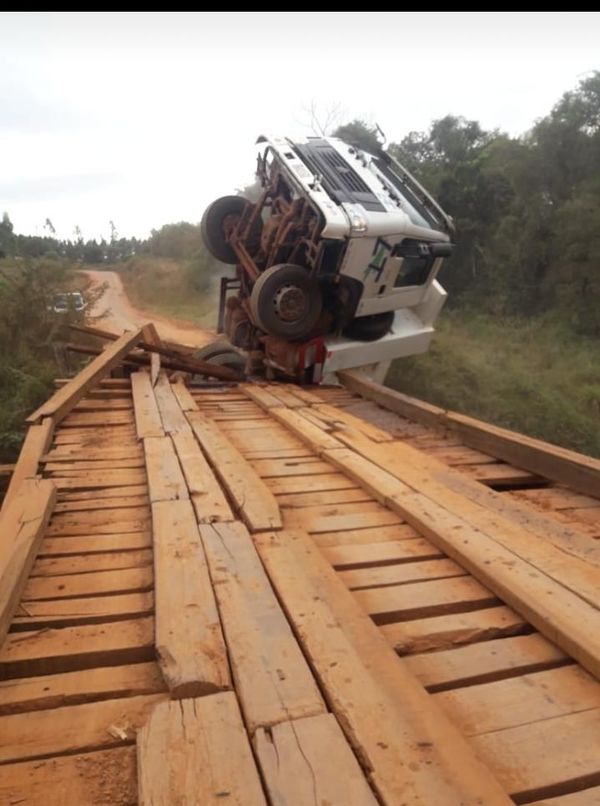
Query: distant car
[{"x": 71, "y": 300}]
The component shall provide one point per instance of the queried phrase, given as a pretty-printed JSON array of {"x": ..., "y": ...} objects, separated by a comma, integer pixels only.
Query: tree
[{"x": 360, "y": 135}]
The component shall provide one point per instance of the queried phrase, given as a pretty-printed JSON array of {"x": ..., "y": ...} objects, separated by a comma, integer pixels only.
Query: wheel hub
[{"x": 290, "y": 303}]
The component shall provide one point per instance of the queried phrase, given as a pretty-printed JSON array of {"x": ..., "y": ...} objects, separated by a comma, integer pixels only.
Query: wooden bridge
[{"x": 255, "y": 593}]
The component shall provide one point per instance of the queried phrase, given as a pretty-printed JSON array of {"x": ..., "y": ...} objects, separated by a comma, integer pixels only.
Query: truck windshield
[{"x": 406, "y": 194}]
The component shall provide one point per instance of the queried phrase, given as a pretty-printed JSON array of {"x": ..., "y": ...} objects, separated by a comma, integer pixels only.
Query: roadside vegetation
[{"x": 519, "y": 343}]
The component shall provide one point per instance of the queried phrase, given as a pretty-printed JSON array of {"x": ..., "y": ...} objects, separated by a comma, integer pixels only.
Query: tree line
[{"x": 527, "y": 209}]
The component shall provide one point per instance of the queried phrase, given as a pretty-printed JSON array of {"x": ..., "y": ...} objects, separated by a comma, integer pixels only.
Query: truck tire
[
  {"x": 218, "y": 220},
  {"x": 286, "y": 302},
  {"x": 370, "y": 328}
]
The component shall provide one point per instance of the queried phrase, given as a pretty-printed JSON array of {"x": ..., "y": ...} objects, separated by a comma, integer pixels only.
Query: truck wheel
[
  {"x": 286, "y": 302},
  {"x": 217, "y": 224},
  {"x": 223, "y": 354},
  {"x": 370, "y": 328}
]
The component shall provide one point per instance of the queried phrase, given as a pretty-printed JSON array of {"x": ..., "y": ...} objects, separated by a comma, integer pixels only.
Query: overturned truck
[{"x": 336, "y": 262}]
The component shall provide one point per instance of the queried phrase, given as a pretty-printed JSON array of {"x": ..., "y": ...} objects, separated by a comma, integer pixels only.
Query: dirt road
[{"x": 117, "y": 313}]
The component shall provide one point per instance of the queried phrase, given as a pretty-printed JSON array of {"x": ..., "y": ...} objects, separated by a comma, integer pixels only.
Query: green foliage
[
  {"x": 534, "y": 376},
  {"x": 27, "y": 333},
  {"x": 360, "y": 135}
]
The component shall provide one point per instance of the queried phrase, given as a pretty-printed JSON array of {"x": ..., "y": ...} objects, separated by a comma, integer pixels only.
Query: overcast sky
[{"x": 145, "y": 118}]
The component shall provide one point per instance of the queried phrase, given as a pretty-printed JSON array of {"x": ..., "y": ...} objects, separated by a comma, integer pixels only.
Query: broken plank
[
  {"x": 65, "y": 398},
  {"x": 189, "y": 642},
  {"x": 196, "y": 752},
  {"x": 308, "y": 761},
  {"x": 253, "y": 500},
  {"x": 412, "y": 750},
  {"x": 207, "y": 497},
  {"x": 74, "y": 728},
  {"x": 25, "y": 654},
  {"x": 36, "y": 443},
  {"x": 165, "y": 479},
  {"x": 173, "y": 418},
  {"x": 22, "y": 525},
  {"x": 272, "y": 679},
  {"x": 455, "y": 629},
  {"x": 73, "y": 688}
]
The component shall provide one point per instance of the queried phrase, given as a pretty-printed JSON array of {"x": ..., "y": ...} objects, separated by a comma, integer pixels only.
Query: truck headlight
[{"x": 358, "y": 219}]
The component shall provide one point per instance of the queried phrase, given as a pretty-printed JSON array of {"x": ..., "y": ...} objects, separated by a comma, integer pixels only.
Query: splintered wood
[{"x": 287, "y": 596}]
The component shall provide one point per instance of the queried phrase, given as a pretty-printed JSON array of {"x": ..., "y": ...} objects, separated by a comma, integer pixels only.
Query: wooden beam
[
  {"x": 189, "y": 642},
  {"x": 413, "y": 751},
  {"x": 165, "y": 479},
  {"x": 253, "y": 500},
  {"x": 22, "y": 526},
  {"x": 147, "y": 417},
  {"x": 36, "y": 444},
  {"x": 196, "y": 751},
  {"x": 573, "y": 469},
  {"x": 309, "y": 761},
  {"x": 272, "y": 678},
  {"x": 62, "y": 401}
]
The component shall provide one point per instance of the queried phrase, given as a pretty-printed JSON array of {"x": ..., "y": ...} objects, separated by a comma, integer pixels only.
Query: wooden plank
[
  {"x": 78, "y": 465},
  {"x": 303, "y": 429},
  {"x": 155, "y": 363},
  {"x": 259, "y": 394},
  {"x": 316, "y": 498},
  {"x": 271, "y": 676},
  {"x": 147, "y": 418},
  {"x": 308, "y": 761},
  {"x": 322, "y": 482},
  {"x": 184, "y": 396},
  {"x": 165, "y": 479},
  {"x": 118, "y": 502},
  {"x": 412, "y": 750},
  {"x": 90, "y": 480},
  {"x": 62, "y": 401},
  {"x": 252, "y": 499},
  {"x": 94, "y": 544},
  {"x": 544, "y": 758},
  {"x": 196, "y": 751},
  {"x": 339, "y": 517},
  {"x": 173, "y": 418},
  {"x": 97, "y": 418},
  {"x": 521, "y": 700},
  {"x": 456, "y": 629},
  {"x": 92, "y": 495},
  {"x": 484, "y": 661},
  {"x": 387, "y": 575},
  {"x": 83, "y": 776},
  {"x": 392, "y": 552},
  {"x": 75, "y": 728},
  {"x": 561, "y": 614},
  {"x": 90, "y": 584},
  {"x": 70, "y": 452},
  {"x": 189, "y": 642},
  {"x": 207, "y": 497},
  {"x": 583, "y": 797},
  {"x": 361, "y": 537},
  {"x": 70, "y": 648},
  {"x": 581, "y": 473},
  {"x": 276, "y": 468},
  {"x": 401, "y": 404},
  {"x": 105, "y": 561},
  {"x": 36, "y": 443},
  {"x": 73, "y": 688},
  {"x": 22, "y": 526},
  {"x": 341, "y": 420},
  {"x": 422, "y": 599},
  {"x": 128, "y": 519},
  {"x": 87, "y": 610}
]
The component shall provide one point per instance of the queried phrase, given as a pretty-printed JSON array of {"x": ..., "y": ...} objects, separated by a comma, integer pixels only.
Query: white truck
[{"x": 336, "y": 262}]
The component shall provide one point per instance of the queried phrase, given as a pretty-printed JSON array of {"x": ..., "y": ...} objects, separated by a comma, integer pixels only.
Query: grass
[
  {"x": 167, "y": 287},
  {"x": 534, "y": 376}
]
